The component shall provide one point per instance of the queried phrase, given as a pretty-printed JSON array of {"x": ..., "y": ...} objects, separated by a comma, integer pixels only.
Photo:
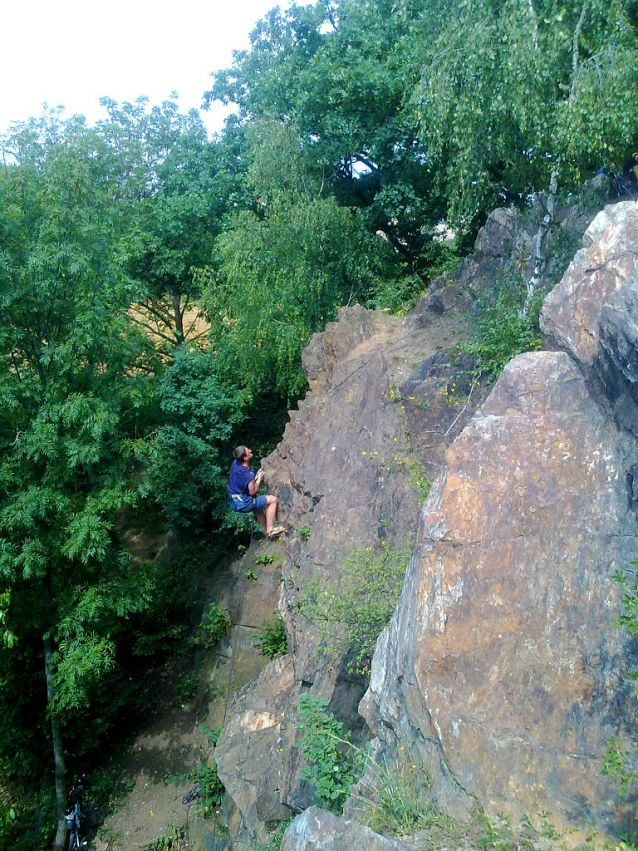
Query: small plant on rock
[
  {"x": 304, "y": 533},
  {"x": 186, "y": 688},
  {"x": 210, "y": 790},
  {"x": 170, "y": 841},
  {"x": 266, "y": 558},
  {"x": 395, "y": 797},
  {"x": 496, "y": 833},
  {"x": 273, "y": 641},
  {"x": 214, "y": 625}
]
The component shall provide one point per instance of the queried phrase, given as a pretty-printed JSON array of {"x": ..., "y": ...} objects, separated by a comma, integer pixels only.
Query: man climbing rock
[{"x": 243, "y": 487}]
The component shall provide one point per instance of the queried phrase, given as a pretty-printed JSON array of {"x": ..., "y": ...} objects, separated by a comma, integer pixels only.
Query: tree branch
[{"x": 576, "y": 39}]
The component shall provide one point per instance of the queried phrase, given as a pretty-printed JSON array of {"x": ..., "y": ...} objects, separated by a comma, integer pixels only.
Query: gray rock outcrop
[
  {"x": 319, "y": 830},
  {"x": 375, "y": 424},
  {"x": 502, "y": 663}
]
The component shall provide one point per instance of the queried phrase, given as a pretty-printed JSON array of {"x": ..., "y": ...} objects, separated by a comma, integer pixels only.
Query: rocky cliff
[
  {"x": 502, "y": 660},
  {"x": 501, "y": 665},
  {"x": 350, "y": 471}
]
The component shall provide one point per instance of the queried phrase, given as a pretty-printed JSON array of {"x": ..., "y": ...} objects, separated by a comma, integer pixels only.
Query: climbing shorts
[{"x": 243, "y": 503}]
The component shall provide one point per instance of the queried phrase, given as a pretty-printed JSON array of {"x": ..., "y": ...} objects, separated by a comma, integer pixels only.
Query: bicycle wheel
[{"x": 74, "y": 840}]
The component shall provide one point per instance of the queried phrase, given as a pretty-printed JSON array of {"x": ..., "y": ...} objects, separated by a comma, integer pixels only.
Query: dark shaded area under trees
[{"x": 157, "y": 289}]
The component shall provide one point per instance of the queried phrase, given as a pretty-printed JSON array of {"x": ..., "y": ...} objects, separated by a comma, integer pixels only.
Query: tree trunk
[
  {"x": 539, "y": 251},
  {"x": 58, "y": 755},
  {"x": 178, "y": 316}
]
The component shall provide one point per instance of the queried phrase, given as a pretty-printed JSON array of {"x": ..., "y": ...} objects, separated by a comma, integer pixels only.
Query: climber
[{"x": 243, "y": 487}]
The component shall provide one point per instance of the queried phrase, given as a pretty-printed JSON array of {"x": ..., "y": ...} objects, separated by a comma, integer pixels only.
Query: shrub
[
  {"x": 506, "y": 324},
  {"x": 354, "y": 606},
  {"x": 333, "y": 762},
  {"x": 186, "y": 688},
  {"x": 273, "y": 641},
  {"x": 214, "y": 625},
  {"x": 210, "y": 790}
]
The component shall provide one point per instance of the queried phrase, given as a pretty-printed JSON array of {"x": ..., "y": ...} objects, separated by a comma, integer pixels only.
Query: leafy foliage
[
  {"x": 333, "y": 765},
  {"x": 158, "y": 287},
  {"x": 355, "y": 606},
  {"x": 272, "y": 641},
  {"x": 184, "y": 457},
  {"x": 215, "y": 624},
  {"x": 280, "y": 278},
  {"x": 505, "y": 324}
]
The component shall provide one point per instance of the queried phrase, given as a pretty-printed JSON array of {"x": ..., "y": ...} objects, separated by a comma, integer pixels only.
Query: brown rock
[
  {"x": 250, "y": 752},
  {"x": 502, "y": 659}
]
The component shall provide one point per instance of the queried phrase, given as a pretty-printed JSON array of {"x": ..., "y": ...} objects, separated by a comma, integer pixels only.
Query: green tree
[
  {"x": 71, "y": 381},
  {"x": 514, "y": 93},
  {"x": 186, "y": 454},
  {"x": 181, "y": 192},
  {"x": 341, "y": 73},
  {"x": 280, "y": 279}
]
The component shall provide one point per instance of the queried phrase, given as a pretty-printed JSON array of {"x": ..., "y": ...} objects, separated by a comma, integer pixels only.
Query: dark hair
[{"x": 239, "y": 452}]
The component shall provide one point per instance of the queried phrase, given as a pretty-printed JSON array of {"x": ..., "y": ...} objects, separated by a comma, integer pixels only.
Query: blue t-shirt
[{"x": 239, "y": 478}]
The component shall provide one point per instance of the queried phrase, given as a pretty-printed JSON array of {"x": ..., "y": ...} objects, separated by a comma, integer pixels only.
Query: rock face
[
  {"x": 498, "y": 583},
  {"x": 570, "y": 318},
  {"x": 502, "y": 663},
  {"x": 318, "y": 830},
  {"x": 376, "y": 422},
  {"x": 255, "y": 735}
]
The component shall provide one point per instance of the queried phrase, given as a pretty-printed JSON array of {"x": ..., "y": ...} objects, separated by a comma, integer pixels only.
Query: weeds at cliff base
[
  {"x": 395, "y": 799},
  {"x": 334, "y": 763}
]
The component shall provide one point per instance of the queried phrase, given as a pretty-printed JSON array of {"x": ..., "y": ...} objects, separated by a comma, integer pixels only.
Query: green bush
[
  {"x": 273, "y": 641},
  {"x": 210, "y": 790},
  {"x": 505, "y": 325},
  {"x": 333, "y": 762},
  {"x": 214, "y": 625},
  {"x": 186, "y": 688},
  {"x": 355, "y": 605}
]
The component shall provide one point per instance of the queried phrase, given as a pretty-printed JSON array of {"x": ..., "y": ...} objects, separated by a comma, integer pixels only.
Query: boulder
[
  {"x": 319, "y": 830},
  {"x": 249, "y": 753},
  {"x": 570, "y": 318},
  {"x": 502, "y": 661}
]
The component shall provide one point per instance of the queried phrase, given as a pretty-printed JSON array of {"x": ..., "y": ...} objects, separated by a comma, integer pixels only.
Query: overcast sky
[{"x": 73, "y": 52}]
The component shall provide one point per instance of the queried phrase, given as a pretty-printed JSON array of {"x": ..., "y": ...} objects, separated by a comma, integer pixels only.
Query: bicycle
[{"x": 75, "y": 814}]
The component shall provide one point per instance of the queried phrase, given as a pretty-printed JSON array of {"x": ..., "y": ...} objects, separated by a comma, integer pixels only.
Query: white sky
[{"x": 73, "y": 52}]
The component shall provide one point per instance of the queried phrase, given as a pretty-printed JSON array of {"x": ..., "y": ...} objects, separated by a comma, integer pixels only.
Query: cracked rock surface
[{"x": 502, "y": 661}]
